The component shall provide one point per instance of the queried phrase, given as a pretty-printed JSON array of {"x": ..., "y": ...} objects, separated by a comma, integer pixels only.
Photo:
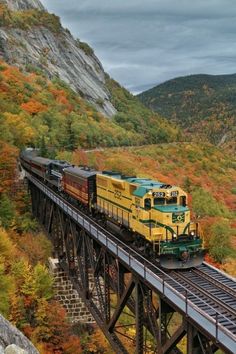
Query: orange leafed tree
[
  {"x": 33, "y": 107},
  {"x": 80, "y": 157}
]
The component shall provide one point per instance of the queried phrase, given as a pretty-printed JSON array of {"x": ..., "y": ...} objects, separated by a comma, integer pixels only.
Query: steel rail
[
  {"x": 209, "y": 296},
  {"x": 216, "y": 286},
  {"x": 217, "y": 278},
  {"x": 155, "y": 277}
]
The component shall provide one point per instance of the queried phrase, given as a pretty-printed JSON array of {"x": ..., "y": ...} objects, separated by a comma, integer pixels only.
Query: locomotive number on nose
[{"x": 117, "y": 194}]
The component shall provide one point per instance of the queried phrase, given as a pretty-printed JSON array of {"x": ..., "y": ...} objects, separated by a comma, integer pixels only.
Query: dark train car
[
  {"x": 41, "y": 166},
  {"x": 26, "y": 157},
  {"x": 80, "y": 183},
  {"x": 35, "y": 164},
  {"x": 57, "y": 167},
  {"x": 56, "y": 171},
  {"x": 25, "y": 161}
]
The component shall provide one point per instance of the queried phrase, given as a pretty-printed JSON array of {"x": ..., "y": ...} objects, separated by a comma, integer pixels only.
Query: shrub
[
  {"x": 219, "y": 243},
  {"x": 205, "y": 204},
  {"x": 86, "y": 48}
]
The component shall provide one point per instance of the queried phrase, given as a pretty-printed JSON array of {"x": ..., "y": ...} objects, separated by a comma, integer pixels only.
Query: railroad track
[
  {"x": 217, "y": 298},
  {"x": 215, "y": 277}
]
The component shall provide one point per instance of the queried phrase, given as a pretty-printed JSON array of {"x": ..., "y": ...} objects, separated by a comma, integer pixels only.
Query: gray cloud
[{"x": 142, "y": 43}]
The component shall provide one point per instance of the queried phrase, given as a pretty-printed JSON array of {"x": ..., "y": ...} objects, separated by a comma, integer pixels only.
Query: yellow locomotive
[{"x": 154, "y": 212}]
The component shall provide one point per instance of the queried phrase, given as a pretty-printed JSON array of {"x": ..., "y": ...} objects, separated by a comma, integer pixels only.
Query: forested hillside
[
  {"x": 204, "y": 105},
  {"x": 39, "y": 112}
]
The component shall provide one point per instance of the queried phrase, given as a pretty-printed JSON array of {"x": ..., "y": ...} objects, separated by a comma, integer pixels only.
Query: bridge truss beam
[{"x": 113, "y": 292}]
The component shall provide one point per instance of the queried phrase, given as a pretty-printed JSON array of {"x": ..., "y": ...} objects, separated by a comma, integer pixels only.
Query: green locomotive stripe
[
  {"x": 126, "y": 197},
  {"x": 118, "y": 205},
  {"x": 158, "y": 223},
  {"x": 121, "y": 194},
  {"x": 107, "y": 190},
  {"x": 145, "y": 221},
  {"x": 101, "y": 188},
  {"x": 186, "y": 227}
]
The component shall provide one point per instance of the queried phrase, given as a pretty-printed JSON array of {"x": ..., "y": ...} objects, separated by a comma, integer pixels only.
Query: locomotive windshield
[
  {"x": 172, "y": 200},
  {"x": 159, "y": 201},
  {"x": 163, "y": 201}
]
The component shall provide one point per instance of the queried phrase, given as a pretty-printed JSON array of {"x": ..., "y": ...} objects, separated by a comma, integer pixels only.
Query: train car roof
[
  {"x": 78, "y": 171},
  {"x": 41, "y": 160},
  {"x": 144, "y": 185},
  {"x": 60, "y": 163}
]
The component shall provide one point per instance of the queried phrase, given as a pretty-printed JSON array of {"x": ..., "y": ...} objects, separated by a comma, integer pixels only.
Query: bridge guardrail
[{"x": 209, "y": 324}]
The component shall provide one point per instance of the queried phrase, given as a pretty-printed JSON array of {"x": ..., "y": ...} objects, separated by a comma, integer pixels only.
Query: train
[{"x": 151, "y": 216}]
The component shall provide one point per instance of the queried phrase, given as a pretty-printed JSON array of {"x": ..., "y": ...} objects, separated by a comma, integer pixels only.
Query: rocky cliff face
[
  {"x": 11, "y": 335},
  {"x": 57, "y": 53},
  {"x": 23, "y": 4}
]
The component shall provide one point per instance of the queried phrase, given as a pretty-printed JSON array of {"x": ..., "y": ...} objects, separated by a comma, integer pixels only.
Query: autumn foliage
[
  {"x": 33, "y": 107},
  {"x": 8, "y": 165},
  {"x": 36, "y": 112}
]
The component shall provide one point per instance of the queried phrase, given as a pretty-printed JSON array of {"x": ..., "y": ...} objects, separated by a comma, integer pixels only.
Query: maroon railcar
[
  {"x": 35, "y": 164},
  {"x": 80, "y": 183}
]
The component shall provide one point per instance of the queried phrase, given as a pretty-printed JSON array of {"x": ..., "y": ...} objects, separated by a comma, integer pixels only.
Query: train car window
[
  {"x": 147, "y": 204},
  {"x": 159, "y": 201},
  {"x": 172, "y": 200},
  {"x": 183, "y": 200}
]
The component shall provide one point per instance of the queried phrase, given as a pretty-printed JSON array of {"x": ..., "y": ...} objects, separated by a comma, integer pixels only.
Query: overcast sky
[{"x": 142, "y": 43}]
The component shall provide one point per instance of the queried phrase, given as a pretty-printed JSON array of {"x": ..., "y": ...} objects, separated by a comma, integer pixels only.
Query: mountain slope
[
  {"x": 201, "y": 104},
  {"x": 32, "y": 38},
  {"x": 43, "y": 113},
  {"x": 35, "y": 41}
]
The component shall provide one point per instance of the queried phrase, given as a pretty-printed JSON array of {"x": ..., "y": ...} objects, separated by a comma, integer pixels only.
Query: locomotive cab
[{"x": 162, "y": 215}]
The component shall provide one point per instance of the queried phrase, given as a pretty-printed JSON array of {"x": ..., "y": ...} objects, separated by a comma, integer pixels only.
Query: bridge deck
[{"x": 202, "y": 312}]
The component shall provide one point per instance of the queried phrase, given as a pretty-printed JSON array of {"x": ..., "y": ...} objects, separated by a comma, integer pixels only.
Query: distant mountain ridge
[{"x": 201, "y": 104}]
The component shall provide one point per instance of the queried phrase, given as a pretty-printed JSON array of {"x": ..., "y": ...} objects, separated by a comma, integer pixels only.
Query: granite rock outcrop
[{"x": 57, "y": 54}]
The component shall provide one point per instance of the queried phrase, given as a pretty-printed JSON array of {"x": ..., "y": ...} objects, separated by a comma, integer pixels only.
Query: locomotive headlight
[
  {"x": 174, "y": 237},
  {"x": 192, "y": 233}
]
